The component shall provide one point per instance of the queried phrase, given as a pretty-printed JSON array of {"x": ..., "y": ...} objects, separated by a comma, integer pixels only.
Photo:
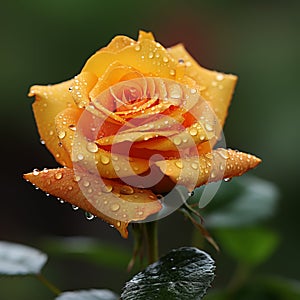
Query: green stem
[
  {"x": 48, "y": 284},
  {"x": 152, "y": 241}
]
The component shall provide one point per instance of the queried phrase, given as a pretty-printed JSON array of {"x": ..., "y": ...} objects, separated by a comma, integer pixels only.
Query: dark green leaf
[
  {"x": 184, "y": 273},
  {"x": 243, "y": 201},
  {"x": 16, "y": 259},
  {"x": 248, "y": 245},
  {"x": 88, "y": 295}
]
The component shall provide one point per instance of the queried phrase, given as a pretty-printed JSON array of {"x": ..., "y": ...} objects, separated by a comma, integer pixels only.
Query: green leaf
[
  {"x": 248, "y": 245},
  {"x": 184, "y": 273},
  {"x": 16, "y": 259},
  {"x": 88, "y": 295},
  {"x": 244, "y": 201}
]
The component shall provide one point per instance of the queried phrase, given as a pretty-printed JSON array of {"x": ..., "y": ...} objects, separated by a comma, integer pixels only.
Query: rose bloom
[{"x": 136, "y": 122}]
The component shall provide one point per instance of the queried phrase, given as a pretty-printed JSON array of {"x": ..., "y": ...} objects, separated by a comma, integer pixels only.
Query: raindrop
[
  {"x": 104, "y": 159},
  {"x": 178, "y": 164},
  {"x": 194, "y": 166},
  {"x": 177, "y": 140},
  {"x": 92, "y": 147},
  {"x": 220, "y": 77},
  {"x": 42, "y": 142},
  {"x": 191, "y": 194},
  {"x": 137, "y": 48},
  {"x": 172, "y": 72},
  {"x": 165, "y": 59},
  {"x": 89, "y": 216},
  {"x": 151, "y": 55},
  {"x": 209, "y": 127},
  {"x": 35, "y": 172},
  {"x": 74, "y": 207},
  {"x": 58, "y": 176},
  {"x": 107, "y": 188},
  {"x": 115, "y": 207},
  {"x": 86, "y": 183},
  {"x": 72, "y": 127},
  {"x": 80, "y": 156},
  {"x": 227, "y": 179},
  {"x": 193, "y": 131},
  {"x": 126, "y": 190},
  {"x": 77, "y": 178},
  {"x": 45, "y": 170},
  {"x": 61, "y": 134}
]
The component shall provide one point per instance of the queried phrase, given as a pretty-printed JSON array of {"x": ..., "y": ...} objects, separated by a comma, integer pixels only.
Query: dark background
[{"x": 46, "y": 42}]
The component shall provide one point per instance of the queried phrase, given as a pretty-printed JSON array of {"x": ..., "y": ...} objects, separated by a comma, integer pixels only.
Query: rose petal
[
  {"x": 218, "y": 87},
  {"x": 115, "y": 203},
  {"x": 117, "y": 43},
  {"x": 209, "y": 167},
  {"x": 146, "y": 56},
  {"x": 50, "y": 100},
  {"x": 86, "y": 151},
  {"x": 81, "y": 87}
]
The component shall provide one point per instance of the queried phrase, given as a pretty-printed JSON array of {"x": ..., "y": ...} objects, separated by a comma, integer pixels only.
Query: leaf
[
  {"x": 88, "y": 295},
  {"x": 17, "y": 259},
  {"x": 184, "y": 273},
  {"x": 243, "y": 201},
  {"x": 248, "y": 245}
]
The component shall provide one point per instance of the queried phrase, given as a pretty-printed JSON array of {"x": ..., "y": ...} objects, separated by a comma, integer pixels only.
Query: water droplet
[
  {"x": 118, "y": 224},
  {"x": 80, "y": 156},
  {"x": 177, "y": 140},
  {"x": 227, "y": 179},
  {"x": 137, "y": 48},
  {"x": 42, "y": 142},
  {"x": 47, "y": 194},
  {"x": 193, "y": 131},
  {"x": 152, "y": 197},
  {"x": 151, "y": 55},
  {"x": 115, "y": 207},
  {"x": 72, "y": 127},
  {"x": 165, "y": 59},
  {"x": 61, "y": 134},
  {"x": 178, "y": 164},
  {"x": 220, "y": 77},
  {"x": 74, "y": 207},
  {"x": 51, "y": 132},
  {"x": 35, "y": 172},
  {"x": 104, "y": 159},
  {"x": 92, "y": 147},
  {"x": 126, "y": 190},
  {"x": 58, "y": 175},
  {"x": 172, "y": 72},
  {"x": 77, "y": 178},
  {"x": 86, "y": 183},
  {"x": 224, "y": 154},
  {"x": 213, "y": 174},
  {"x": 140, "y": 213},
  {"x": 208, "y": 127},
  {"x": 107, "y": 188},
  {"x": 194, "y": 166},
  {"x": 191, "y": 194},
  {"x": 89, "y": 216}
]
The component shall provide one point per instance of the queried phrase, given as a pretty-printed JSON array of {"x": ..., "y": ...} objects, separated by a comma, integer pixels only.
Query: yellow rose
[{"x": 137, "y": 121}]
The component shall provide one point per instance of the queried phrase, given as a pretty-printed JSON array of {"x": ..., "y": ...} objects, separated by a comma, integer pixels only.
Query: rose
[{"x": 137, "y": 121}]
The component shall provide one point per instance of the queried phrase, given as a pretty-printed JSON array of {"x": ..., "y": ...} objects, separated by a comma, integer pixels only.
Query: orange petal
[
  {"x": 146, "y": 56},
  {"x": 213, "y": 166},
  {"x": 87, "y": 152},
  {"x": 81, "y": 87},
  {"x": 50, "y": 100},
  {"x": 218, "y": 87},
  {"x": 114, "y": 202}
]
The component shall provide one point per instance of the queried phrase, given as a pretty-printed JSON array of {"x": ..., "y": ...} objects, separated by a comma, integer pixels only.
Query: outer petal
[
  {"x": 49, "y": 101},
  {"x": 212, "y": 166},
  {"x": 218, "y": 87},
  {"x": 123, "y": 202}
]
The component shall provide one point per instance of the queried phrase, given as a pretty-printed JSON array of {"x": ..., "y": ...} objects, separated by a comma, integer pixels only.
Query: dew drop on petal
[
  {"x": 74, "y": 207},
  {"x": 193, "y": 131},
  {"x": 35, "y": 172},
  {"x": 92, "y": 147},
  {"x": 104, "y": 159},
  {"x": 177, "y": 140},
  {"x": 89, "y": 216},
  {"x": 42, "y": 142},
  {"x": 126, "y": 190},
  {"x": 77, "y": 178},
  {"x": 80, "y": 156},
  {"x": 227, "y": 179},
  {"x": 178, "y": 164},
  {"x": 58, "y": 175},
  {"x": 107, "y": 188},
  {"x": 115, "y": 207},
  {"x": 61, "y": 134}
]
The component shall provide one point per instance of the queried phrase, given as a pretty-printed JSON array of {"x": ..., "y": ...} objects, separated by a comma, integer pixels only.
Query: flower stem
[
  {"x": 48, "y": 284},
  {"x": 152, "y": 241}
]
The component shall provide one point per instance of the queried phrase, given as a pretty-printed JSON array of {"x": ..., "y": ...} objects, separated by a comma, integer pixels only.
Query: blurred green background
[{"x": 46, "y": 42}]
